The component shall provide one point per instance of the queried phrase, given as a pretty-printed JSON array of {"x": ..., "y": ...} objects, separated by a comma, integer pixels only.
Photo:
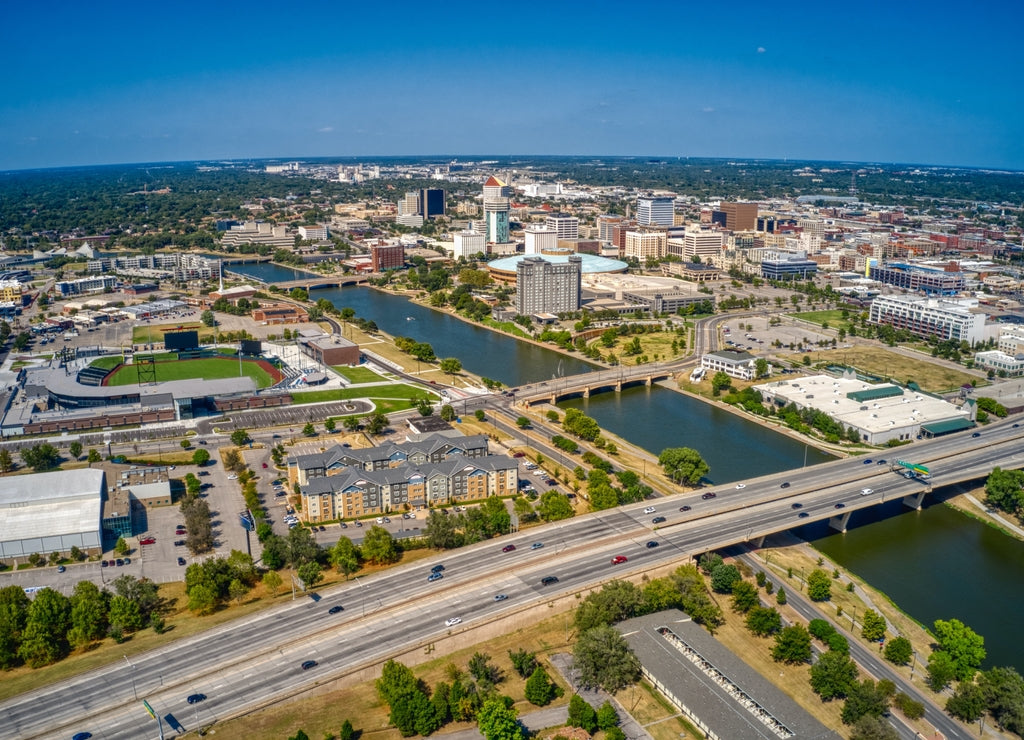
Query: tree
[
  {"x": 424, "y": 406},
  {"x": 239, "y": 437},
  {"x": 523, "y": 662},
  {"x": 763, "y": 621},
  {"x": 873, "y": 626},
  {"x": 302, "y": 548},
  {"x": 75, "y": 448},
  {"x": 483, "y": 670},
  {"x": 207, "y": 318},
  {"x": 1004, "y": 696},
  {"x": 761, "y": 367},
  {"x": 744, "y": 596},
  {"x": 376, "y": 423},
  {"x": 968, "y": 702},
  {"x": 719, "y": 382},
  {"x": 378, "y": 546},
  {"x": 497, "y": 720},
  {"x": 873, "y": 728},
  {"x": 819, "y": 585},
  {"x": 554, "y": 506},
  {"x": 899, "y": 650},
  {"x": 345, "y": 556},
  {"x": 941, "y": 670},
  {"x": 309, "y": 430},
  {"x": 347, "y": 732},
  {"x": 451, "y": 366},
  {"x": 522, "y": 422},
  {"x": 310, "y": 574},
  {"x": 581, "y": 714},
  {"x": 865, "y": 698},
  {"x": 121, "y": 546},
  {"x": 448, "y": 413},
  {"x": 792, "y": 645},
  {"x": 200, "y": 457},
  {"x": 607, "y": 717},
  {"x": 683, "y": 464},
  {"x": 44, "y": 639},
  {"x": 832, "y": 675},
  {"x": 272, "y": 581},
  {"x": 724, "y": 577},
  {"x": 964, "y": 646},
  {"x": 88, "y": 614},
  {"x": 780, "y": 596},
  {"x": 41, "y": 457},
  {"x": 540, "y": 689},
  {"x": 124, "y": 614},
  {"x": 603, "y": 659},
  {"x": 6, "y": 462},
  {"x": 330, "y": 425}
]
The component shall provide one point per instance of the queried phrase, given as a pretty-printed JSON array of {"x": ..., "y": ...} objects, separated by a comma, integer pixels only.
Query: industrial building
[{"x": 52, "y": 512}]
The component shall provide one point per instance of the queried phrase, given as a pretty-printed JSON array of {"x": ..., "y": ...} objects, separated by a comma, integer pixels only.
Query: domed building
[{"x": 503, "y": 271}]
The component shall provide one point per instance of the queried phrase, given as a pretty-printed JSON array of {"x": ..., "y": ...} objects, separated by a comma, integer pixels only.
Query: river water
[{"x": 934, "y": 564}]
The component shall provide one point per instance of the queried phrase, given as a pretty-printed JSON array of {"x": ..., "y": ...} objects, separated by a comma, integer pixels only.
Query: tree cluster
[{"x": 446, "y": 531}]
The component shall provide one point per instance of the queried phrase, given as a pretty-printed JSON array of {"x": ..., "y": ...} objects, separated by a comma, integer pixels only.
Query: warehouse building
[{"x": 52, "y": 512}]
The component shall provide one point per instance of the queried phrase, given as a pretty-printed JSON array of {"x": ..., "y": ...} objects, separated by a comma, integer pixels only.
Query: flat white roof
[{"x": 50, "y": 504}]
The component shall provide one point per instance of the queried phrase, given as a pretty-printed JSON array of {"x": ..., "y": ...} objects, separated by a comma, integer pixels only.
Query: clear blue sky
[{"x": 110, "y": 82}]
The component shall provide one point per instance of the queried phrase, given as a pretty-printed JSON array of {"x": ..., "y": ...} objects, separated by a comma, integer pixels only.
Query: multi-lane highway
[{"x": 257, "y": 659}]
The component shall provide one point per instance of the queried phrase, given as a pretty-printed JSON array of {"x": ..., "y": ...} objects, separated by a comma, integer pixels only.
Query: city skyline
[{"x": 118, "y": 83}]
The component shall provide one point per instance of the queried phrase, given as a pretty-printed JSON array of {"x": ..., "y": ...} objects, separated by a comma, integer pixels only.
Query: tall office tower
[
  {"x": 387, "y": 257},
  {"x": 431, "y": 202},
  {"x": 495, "y": 188},
  {"x": 540, "y": 239},
  {"x": 644, "y": 244},
  {"x": 496, "y": 211},
  {"x": 545, "y": 287},
  {"x": 655, "y": 210},
  {"x": 468, "y": 244},
  {"x": 605, "y": 224},
  {"x": 566, "y": 226},
  {"x": 739, "y": 216},
  {"x": 697, "y": 242},
  {"x": 409, "y": 204}
]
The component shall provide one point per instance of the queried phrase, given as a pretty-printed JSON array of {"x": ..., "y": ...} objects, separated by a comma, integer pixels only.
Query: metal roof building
[{"x": 48, "y": 512}]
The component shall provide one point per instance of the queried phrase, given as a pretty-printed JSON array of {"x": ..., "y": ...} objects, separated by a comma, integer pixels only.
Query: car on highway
[
  {"x": 500, "y": 597},
  {"x": 81, "y": 736},
  {"x": 437, "y": 568},
  {"x": 840, "y": 505},
  {"x": 618, "y": 559},
  {"x": 685, "y": 507},
  {"x": 196, "y": 698},
  {"x": 709, "y": 495},
  {"x": 548, "y": 580},
  {"x": 435, "y": 577},
  {"x": 181, "y": 561},
  {"x": 866, "y": 491},
  {"x": 657, "y": 520},
  {"x": 976, "y": 434},
  {"x": 650, "y": 510},
  {"x": 451, "y": 622},
  {"x": 651, "y": 543},
  {"x": 740, "y": 486},
  {"x": 61, "y": 569},
  {"x": 536, "y": 545},
  {"x": 508, "y": 548},
  {"x": 883, "y": 461},
  {"x": 868, "y": 461},
  {"x": 802, "y": 515},
  {"x": 307, "y": 664},
  {"x": 335, "y": 609},
  {"x": 785, "y": 485},
  {"x": 796, "y": 505},
  {"x": 147, "y": 541}
]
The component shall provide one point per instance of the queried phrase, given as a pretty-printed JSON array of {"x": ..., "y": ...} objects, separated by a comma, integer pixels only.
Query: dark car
[
  {"x": 785, "y": 485},
  {"x": 104, "y": 564},
  {"x": 709, "y": 495},
  {"x": 551, "y": 481},
  {"x": 883, "y": 461},
  {"x": 684, "y": 508},
  {"x": 868, "y": 461},
  {"x": 181, "y": 561},
  {"x": 548, "y": 580},
  {"x": 196, "y": 698},
  {"x": 179, "y": 543},
  {"x": 61, "y": 568},
  {"x": 437, "y": 568},
  {"x": 508, "y": 548},
  {"x": 358, "y": 523},
  {"x": 500, "y": 597},
  {"x": 127, "y": 561},
  {"x": 119, "y": 562},
  {"x": 344, "y": 526},
  {"x": 976, "y": 434},
  {"x": 81, "y": 736},
  {"x": 652, "y": 543},
  {"x": 657, "y": 520},
  {"x": 335, "y": 609},
  {"x": 840, "y": 505},
  {"x": 797, "y": 505},
  {"x": 306, "y": 665},
  {"x": 802, "y": 515},
  {"x": 435, "y": 576}
]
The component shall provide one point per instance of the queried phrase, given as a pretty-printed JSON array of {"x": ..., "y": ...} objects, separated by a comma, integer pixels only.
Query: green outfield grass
[
  {"x": 106, "y": 363},
  {"x": 207, "y": 369}
]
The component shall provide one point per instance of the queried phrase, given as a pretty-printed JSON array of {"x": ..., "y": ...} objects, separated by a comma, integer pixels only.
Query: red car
[
  {"x": 264, "y": 465},
  {"x": 619, "y": 559},
  {"x": 519, "y": 454},
  {"x": 508, "y": 548},
  {"x": 148, "y": 541}
]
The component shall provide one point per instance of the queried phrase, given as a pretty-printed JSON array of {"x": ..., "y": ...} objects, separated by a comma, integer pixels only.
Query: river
[{"x": 935, "y": 564}]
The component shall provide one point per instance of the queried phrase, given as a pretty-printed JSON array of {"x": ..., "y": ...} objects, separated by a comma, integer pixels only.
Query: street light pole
[{"x": 130, "y": 665}]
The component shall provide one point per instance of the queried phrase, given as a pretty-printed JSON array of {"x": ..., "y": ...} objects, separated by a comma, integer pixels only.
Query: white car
[
  {"x": 232, "y": 477},
  {"x": 740, "y": 486},
  {"x": 866, "y": 492},
  {"x": 650, "y": 510},
  {"x": 452, "y": 622}
]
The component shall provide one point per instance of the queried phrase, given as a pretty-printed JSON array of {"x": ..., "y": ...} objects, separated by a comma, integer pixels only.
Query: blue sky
[{"x": 112, "y": 82}]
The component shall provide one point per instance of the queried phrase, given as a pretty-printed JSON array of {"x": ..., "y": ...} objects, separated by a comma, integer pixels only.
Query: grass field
[
  {"x": 834, "y": 318},
  {"x": 106, "y": 363},
  {"x": 146, "y": 334},
  {"x": 213, "y": 368},
  {"x": 392, "y": 391},
  {"x": 885, "y": 364},
  {"x": 357, "y": 374}
]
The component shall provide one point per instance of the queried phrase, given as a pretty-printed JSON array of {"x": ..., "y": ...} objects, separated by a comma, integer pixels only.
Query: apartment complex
[
  {"x": 564, "y": 225},
  {"x": 960, "y": 320},
  {"x": 387, "y": 257},
  {"x": 539, "y": 239},
  {"x": 655, "y": 210},
  {"x": 182, "y": 266},
  {"x": 919, "y": 277},
  {"x": 643, "y": 244},
  {"x": 98, "y": 284},
  {"x": 544, "y": 287},
  {"x": 705, "y": 244}
]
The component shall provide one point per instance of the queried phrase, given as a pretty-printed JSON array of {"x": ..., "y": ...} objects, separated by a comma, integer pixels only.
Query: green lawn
[
  {"x": 207, "y": 369},
  {"x": 107, "y": 363},
  {"x": 357, "y": 374},
  {"x": 392, "y": 391},
  {"x": 833, "y": 317}
]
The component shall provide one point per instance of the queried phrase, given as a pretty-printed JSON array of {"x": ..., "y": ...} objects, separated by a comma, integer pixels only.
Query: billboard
[
  {"x": 174, "y": 340},
  {"x": 251, "y": 347}
]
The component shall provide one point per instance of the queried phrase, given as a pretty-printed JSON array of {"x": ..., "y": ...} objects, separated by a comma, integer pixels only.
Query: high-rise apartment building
[
  {"x": 496, "y": 216},
  {"x": 655, "y": 210},
  {"x": 540, "y": 239},
  {"x": 387, "y": 257},
  {"x": 409, "y": 204},
  {"x": 606, "y": 224},
  {"x": 696, "y": 242},
  {"x": 564, "y": 225},
  {"x": 643, "y": 244},
  {"x": 468, "y": 244},
  {"x": 546, "y": 287}
]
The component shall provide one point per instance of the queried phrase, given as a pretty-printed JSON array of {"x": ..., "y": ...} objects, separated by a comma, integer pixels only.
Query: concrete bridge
[
  {"x": 596, "y": 382},
  {"x": 317, "y": 282}
]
